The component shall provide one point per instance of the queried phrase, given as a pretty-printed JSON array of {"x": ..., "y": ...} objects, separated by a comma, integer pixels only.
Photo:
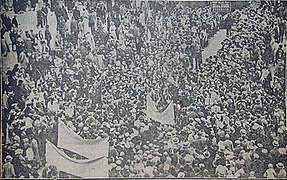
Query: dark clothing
[
  {"x": 282, "y": 30},
  {"x": 16, "y": 6},
  {"x": 20, "y": 167},
  {"x": 108, "y": 23},
  {"x": 45, "y": 15},
  {"x": 69, "y": 4},
  {"x": 92, "y": 21},
  {"x": 74, "y": 27},
  {"x": 48, "y": 37},
  {"x": 139, "y": 45},
  {"x": 15, "y": 22},
  {"x": 76, "y": 14},
  {"x": 29, "y": 46},
  {"x": 40, "y": 18},
  {"x": 33, "y": 3},
  {"x": 7, "y": 22}
]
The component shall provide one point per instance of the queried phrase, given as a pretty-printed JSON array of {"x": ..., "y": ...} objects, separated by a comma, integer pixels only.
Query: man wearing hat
[
  {"x": 8, "y": 168},
  {"x": 257, "y": 165},
  {"x": 274, "y": 152},
  {"x": 282, "y": 172},
  {"x": 20, "y": 165}
]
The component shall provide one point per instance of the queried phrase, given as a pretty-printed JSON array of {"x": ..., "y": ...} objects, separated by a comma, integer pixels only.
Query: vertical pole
[
  {"x": 285, "y": 79},
  {"x": 101, "y": 96}
]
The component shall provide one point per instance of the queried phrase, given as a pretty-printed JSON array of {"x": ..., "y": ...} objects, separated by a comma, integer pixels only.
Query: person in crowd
[
  {"x": 4, "y": 44},
  {"x": 40, "y": 17},
  {"x": 20, "y": 164},
  {"x": 76, "y": 13},
  {"x": 270, "y": 172},
  {"x": 15, "y": 21},
  {"x": 92, "y": 23},
  {"x": 33, "y": 4},
  {"x": 48, "y": 36},
  {"x": 282, "y": 172},
  {"x": 50, "y": 172},
  {"x": 8, "y": 168},
  {"x": 45, "y": 14},
  {"x": 230, "y": 122}
]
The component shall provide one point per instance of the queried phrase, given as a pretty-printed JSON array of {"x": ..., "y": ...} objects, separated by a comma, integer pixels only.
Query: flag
[
  {"x": 165, "y": 117},
  {"x": 90, "y": 148},
  {"x": 81, "y": 168}
]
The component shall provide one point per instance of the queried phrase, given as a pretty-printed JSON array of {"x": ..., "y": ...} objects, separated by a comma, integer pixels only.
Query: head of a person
[{"x": 8, "y": 158}]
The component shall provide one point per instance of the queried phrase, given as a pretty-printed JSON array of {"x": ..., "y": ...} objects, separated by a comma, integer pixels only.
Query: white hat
[
  {"x": 280, "y": 165},
  {"x": 118, "y": 168},
  {"x": 8, "y": 158},
  {"x": 18, "y": 151},
  {"x": 275, "y": 143},
  {"x": 85, "y": 128},
  {"x": 118, "y": 162}
]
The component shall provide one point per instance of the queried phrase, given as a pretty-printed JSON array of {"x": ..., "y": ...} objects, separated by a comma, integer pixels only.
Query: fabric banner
[
  {"x": 90, "y": 148},
  {"x": 165, "y": 117},
  {"x": 82, "y": 168}
]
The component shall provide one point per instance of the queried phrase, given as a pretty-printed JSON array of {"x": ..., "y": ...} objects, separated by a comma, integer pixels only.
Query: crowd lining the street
[{"x": 106, "y": 59}]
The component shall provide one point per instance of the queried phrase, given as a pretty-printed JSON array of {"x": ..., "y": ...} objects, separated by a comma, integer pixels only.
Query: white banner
[
  {"x": 90, "y": 148},
  {"x": 81, "y": 168},
  {"x": 165, "y": 117}
]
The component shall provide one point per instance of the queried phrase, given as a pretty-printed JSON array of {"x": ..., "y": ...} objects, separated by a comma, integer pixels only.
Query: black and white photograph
[{"x": 163, "y": 89}]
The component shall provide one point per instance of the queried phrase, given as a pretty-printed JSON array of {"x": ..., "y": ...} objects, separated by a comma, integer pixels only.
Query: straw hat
[
  {"x": 256, "y": 156},
  {"x": 282, "y": 151},
  {"x": 175, "y": 140},
  {"x": 168, "y": 134},
  {"x": 255, "y": 126},
  {"x": 8, "y": 158},
  {"x": 275, "y": 143},
  {"x": 118, "y": 168},
  {"x": 18, "y": 151},
  {"x": 260, "y": 145},
  {"x": 118, "y": 162},
  {"x": 280, "y": 165},
  {"x": 186, "y": 144},
  {"x": 206, "y": 154},
  {"x": 85, "y": 129}
]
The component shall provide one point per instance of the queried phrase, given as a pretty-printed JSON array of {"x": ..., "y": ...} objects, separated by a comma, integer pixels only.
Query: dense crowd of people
[{"x": 96, "y": 72}]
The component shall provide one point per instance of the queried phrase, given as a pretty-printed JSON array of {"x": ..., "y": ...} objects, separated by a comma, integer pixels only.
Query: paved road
[
  {"x": 214, "y": 44},
  {"x": 27, "y": 21}
]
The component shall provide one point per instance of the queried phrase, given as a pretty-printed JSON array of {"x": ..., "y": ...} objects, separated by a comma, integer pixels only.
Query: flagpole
[
  {"x": 286, "y": 84},
  {"x": 101, "y": 97}
]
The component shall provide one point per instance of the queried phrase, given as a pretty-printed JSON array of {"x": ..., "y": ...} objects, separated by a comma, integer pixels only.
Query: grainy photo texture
[{"x": 143, "y": 88}]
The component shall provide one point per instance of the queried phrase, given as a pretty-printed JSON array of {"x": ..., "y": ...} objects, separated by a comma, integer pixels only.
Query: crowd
[{"x": 96, "y": 73}]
